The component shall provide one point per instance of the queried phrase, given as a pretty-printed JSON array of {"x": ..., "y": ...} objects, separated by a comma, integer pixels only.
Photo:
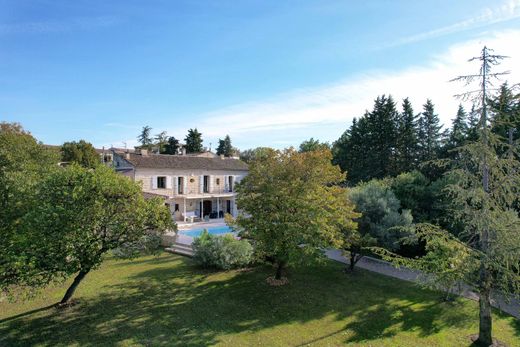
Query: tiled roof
[{"x": 186, "y": 162}]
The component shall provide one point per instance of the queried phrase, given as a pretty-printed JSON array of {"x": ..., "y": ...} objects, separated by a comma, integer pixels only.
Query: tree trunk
[
  {"x": 354, "y": 258},
  {"x": 279, "y": 270},
  {"x": 73, "y": 286},
  {"x": 485, "y": 327}
]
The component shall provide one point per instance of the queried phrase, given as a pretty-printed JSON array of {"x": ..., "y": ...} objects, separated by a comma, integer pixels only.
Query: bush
[{"x": 221, "y": 252}]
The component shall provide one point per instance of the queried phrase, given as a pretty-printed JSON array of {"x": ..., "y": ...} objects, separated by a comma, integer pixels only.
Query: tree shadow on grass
[{"x": 181, "y": 305}]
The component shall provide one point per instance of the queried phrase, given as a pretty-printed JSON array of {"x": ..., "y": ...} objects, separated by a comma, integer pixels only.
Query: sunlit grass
[{"x": 167, "y": 301}]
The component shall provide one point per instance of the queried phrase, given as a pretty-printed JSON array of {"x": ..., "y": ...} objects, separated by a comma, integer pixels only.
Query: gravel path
[{"x": 382, "y": 267}]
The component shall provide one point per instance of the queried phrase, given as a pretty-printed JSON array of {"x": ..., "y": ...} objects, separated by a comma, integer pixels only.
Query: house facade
[{"x": 195, "y": 187}]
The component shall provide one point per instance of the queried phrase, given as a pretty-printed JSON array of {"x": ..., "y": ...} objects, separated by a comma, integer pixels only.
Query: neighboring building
[{"x": 200, "y": 186}]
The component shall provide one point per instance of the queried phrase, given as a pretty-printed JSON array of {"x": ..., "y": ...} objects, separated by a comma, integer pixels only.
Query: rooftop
[{"x": 187, "y": 162}]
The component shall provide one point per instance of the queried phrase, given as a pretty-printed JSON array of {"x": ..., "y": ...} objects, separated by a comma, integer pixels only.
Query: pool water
[{"x": 212, "y": 230}]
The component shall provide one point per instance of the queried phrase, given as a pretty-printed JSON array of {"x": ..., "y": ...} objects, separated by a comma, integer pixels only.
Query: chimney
[
  {"x": 183, "y": 151},
  {"x": 127, "y": 155},
  {"x": 222, "y": 156}
]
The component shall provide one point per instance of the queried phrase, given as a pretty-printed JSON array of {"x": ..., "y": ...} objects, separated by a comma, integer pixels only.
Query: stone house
[{"x": 200, "y": 186}]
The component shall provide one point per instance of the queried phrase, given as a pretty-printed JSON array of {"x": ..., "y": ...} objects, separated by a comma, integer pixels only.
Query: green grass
[{"x": 165, "y": 301}]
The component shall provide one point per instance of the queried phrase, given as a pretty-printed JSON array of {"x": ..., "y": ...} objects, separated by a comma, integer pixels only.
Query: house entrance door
[{"x": 206, "y": 208}]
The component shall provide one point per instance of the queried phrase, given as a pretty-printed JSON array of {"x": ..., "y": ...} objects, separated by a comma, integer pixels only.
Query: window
[
  {"x": 176, "y": 207},
  {"x": 180, "y": 185},
  {"x": 206, "y": 184},
  {"x": 230, "y": 183},
  {"x": 161, "y": 182},
  {"x": 217, "y": 181}
]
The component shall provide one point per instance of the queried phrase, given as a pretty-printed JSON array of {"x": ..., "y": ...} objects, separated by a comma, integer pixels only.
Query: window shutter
[
  {"x": 201, "y": 184},
  {"x": 211, "y": 179},
  {"x": 175, "y": 182},
  {"x": 185, "y": 185},
  {"x": 226, "y": 183},
  {"x": 154, "y": 182},
  {"x": 168, "y": 182}
]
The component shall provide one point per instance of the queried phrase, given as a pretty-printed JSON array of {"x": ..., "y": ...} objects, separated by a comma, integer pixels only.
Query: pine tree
[
  {"x": 459, "y": 129},
  {"x": 407, "y": 139},
  {"x": 429, "y": 133},
  {"x": 473, "y": 120},
  {"x": 382, "y": 138},
  {"x": 368, "y": 149},
  {"x": 483, "y": 186},
  {"x": 504, "y": 112},
  {"x": 194, "y": 141},
  {"x": 144, "y": 138},
  {"x": 225, "y": 147}
]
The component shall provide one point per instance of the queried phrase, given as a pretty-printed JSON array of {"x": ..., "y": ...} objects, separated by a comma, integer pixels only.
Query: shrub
[{"x": 221, "y": 252}]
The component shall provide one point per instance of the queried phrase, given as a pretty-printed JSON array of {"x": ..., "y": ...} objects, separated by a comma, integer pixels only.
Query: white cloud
[
  {"x": 299, "y": 114},
  {"x": 325, "y": 112},
  {"x": 507, "y": 11}
]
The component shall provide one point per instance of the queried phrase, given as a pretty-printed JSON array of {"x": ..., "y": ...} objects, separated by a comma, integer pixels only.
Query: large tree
[
  {"x": 79, "y": 215},
  {"x": 145, "y": 137},
  {"x": 80, "y": 152},
  {"x": 407, "y": 138},
  {"x": 24, "y": 162},
  {"x": 382, "y": 222},
  {"x": 172, "y": 146},
  {"x": 313, "y": 145},
  {"x": 161, "y": 140},
  {"x": 194, "y": 141},
  {"x": 484, "y": 184},
  {"x": 250, "y": 155},
  {"x": 225, "y": 147},
  {"x": 368, "y": 149},
  {"x": 505, "y": 114},
  {"x": 429, "y": 133},
  {"x": 292, "y": 206}
]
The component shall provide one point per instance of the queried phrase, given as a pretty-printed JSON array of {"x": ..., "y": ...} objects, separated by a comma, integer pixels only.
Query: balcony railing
[{"x": 213, "y": 191}]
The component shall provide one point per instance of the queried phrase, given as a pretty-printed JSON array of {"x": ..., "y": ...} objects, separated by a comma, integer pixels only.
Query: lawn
[{"x": 165, "y": 301}]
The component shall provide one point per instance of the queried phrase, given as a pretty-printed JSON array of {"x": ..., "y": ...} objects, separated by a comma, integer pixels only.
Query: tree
[
  {"x": 473, "y": 127},
  {"x": 367, "y": 150},
  {"x": 81, "y": 214},
  {"x": 407, "y": 138},
  {"x": 292, "y": 206},
  {"x": 505, "y": 113},
  {"x": 194, "y": 141},
  {"x": 429, "y": 133},
  {"x": 459, "y": 128},
  {"x": 81, "y": 152},
  {"x": 250, "y": 155},
  {"x": 313, "y": 145},
  {"x": 145, "y": 138},
  {"x": 172, "y": 147},
  {"x": 161, "y": 140},
  {"x": 380, "y": 219},
  {"x": 224, "y": 147},
  {"x": 24, "y": 162},
  {"x": 483, "y": 184}
]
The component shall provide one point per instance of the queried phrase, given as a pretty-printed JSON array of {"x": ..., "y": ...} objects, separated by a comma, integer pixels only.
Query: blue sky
[{"x": 269, "y": 73}]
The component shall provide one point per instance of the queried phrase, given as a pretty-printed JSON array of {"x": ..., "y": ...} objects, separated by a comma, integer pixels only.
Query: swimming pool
[{"x": 212, "y": 230}]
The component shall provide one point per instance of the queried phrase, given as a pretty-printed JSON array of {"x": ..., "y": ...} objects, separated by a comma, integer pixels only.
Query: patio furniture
[{"x": 191, "y": 216}]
